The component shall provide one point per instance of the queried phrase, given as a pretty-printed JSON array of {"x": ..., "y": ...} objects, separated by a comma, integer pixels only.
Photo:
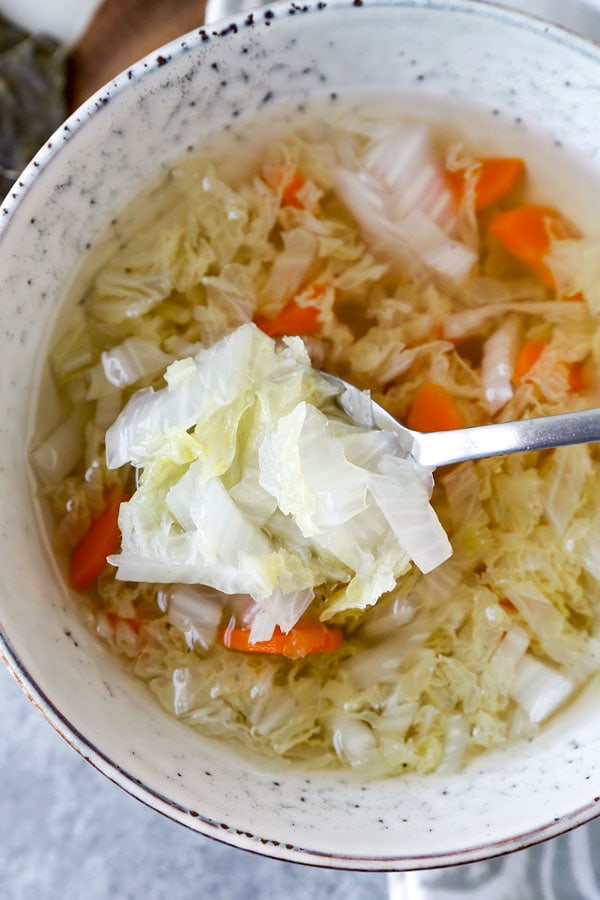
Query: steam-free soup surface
[{"x": 412, "y": 264}]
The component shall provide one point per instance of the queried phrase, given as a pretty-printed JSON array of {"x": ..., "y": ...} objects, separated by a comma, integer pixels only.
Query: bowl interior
[{"x": 521, "y": 86}]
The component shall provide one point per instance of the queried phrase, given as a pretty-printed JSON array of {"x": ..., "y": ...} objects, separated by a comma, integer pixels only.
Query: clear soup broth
[{"x": 445, "y": 265}]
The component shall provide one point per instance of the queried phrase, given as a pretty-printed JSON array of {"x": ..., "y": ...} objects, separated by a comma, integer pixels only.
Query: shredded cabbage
[
  {"x": 576, "y": 268},
  {"x": 183, "y": 524},
  {"x": 395, "y": 188},
  {"x": 255, "y": 503},
  {"x": 497, "y": 364}
]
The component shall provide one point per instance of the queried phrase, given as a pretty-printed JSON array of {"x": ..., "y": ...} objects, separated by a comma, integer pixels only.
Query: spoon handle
[{"x": 446, "y": 447}]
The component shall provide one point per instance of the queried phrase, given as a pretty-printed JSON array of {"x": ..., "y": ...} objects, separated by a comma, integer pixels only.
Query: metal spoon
[{"x": 441, "y": 448}]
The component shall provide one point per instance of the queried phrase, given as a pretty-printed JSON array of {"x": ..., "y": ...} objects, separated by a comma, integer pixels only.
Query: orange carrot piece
[
  {"x": 289, "y": 194},
  {"x": 289, "y": 184},
  {"x": 455, "y": 179},
  {"x": 115, "y": 620},
  {"x": 298, "y": 642},
  {"x": 433, "y": 409},
  {"x": 293, "y": 319},
  {"x": 440, "y": 335},
  {"x": 100, "y": 540},
  {"x": 527, "y": 232},
  {"x": 529, "y": 354},
  {"x": 578, "y": 377},
  {"x": 495, "y": 177},
  {"x": 527, "y": 357}
]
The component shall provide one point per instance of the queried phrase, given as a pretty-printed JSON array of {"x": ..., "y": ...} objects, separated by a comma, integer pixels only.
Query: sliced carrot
[
  {"x": 298, "y": 642},
  {"x": 527, "y": 357},
  {"x": 578, "y": 377},
  {"x": 527, "y": 232},
  {"x": 293, "y": 319},
  {"x": 433, "y": 409},
  {"x": 289, "y": 184},
  {"x": 495, "y": 177},
  {"x": 102, "y": 538},
  {"x": 439, "y": 334},
  {"x": 291, "y": 188},
  {"x": 115, "y": 620},
  {"x": 529, "y": 354}
]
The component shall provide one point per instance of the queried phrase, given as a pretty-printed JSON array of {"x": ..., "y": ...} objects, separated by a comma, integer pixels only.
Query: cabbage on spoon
[{"x": 252, "y": 481}]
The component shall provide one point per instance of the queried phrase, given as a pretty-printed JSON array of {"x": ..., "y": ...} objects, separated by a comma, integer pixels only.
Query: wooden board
[{"x": 121, "y": 32}]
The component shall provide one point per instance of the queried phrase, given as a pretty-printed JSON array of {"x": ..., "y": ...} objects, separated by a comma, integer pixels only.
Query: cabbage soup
[{"x": 277, "y": 572}]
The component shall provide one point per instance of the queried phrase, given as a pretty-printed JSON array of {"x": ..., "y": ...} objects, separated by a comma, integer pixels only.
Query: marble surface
[{"x": 68, "y": 833}]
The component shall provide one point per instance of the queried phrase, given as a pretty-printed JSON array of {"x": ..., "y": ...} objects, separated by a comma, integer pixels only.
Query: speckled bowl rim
[{"x": 264, "y": 845}]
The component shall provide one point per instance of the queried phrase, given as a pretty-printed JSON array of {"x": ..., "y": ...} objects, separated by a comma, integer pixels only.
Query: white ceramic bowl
[{"x": 531, "y": 77}]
